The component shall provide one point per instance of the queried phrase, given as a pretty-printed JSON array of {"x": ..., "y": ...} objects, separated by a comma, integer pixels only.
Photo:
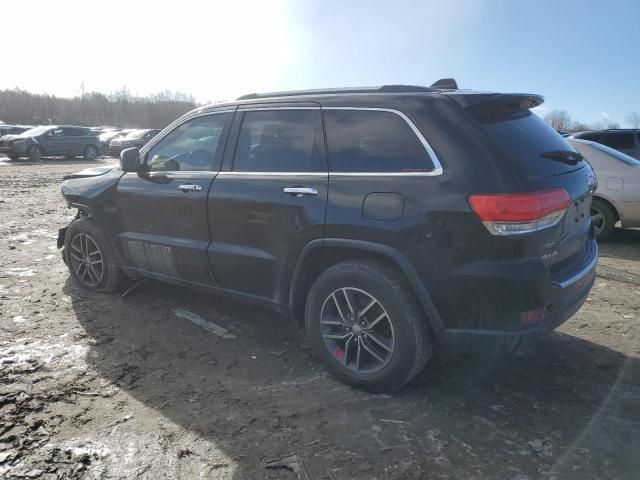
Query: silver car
[{"x": 618, "y": 195}]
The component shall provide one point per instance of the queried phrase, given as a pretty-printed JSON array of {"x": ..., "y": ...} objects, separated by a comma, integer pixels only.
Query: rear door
[
  {"x": 75, "y": 139},
  {"x": 162, "y": 213},
  {"x": 270, "y": 199}
]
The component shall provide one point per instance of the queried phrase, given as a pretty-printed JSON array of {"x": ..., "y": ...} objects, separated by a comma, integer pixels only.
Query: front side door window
[{"x": 190, "y": 147}]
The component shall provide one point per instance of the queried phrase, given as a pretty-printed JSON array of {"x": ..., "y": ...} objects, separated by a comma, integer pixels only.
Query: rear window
[
  {"x": 524, "y": 137},
  {"x": 373, "y": 141}
]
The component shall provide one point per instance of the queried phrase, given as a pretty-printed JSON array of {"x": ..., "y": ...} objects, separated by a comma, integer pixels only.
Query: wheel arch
[
  {"x": 609, "y": 202},
  {"x": 85, "y": 211},
  {"x": 320, "y": 254}
]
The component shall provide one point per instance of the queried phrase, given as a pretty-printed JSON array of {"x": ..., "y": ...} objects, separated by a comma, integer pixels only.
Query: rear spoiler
[{"x": 513, "y": 100}]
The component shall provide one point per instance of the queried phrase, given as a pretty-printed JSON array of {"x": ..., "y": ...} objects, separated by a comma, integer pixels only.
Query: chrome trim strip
[
  {"x": 384, "y": 174},
  {"x": 438, "y": 170},
  {"x": 330, "y": 174},
  {"x": 241, "y": 109},
  {"x": 581, "y": 274},
  {"x": 274, "y": 174},
  {"x": 177, "y": 174}
]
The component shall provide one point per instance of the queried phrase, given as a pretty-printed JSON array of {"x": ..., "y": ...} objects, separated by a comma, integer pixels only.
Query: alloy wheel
[
  {"x": 357, "y": 330},
  {"x": 86, "y": 260}
]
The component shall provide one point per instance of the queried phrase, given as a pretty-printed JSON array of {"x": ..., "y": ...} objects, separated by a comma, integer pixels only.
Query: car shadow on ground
[
  {"x": 568, "y": 410},
  {"x": 623, "y": 244}
]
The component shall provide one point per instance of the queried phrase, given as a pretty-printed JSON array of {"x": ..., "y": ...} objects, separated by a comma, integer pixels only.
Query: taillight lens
[{"x": 520, "y": 213}]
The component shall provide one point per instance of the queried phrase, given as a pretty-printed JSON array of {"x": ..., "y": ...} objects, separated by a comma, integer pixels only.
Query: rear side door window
[
  {"x": 193, "y": 146},
  {"x": 278, "y": 141},
  {"x": 373, "y": 141},
  {"x": 618, "y": 140}
]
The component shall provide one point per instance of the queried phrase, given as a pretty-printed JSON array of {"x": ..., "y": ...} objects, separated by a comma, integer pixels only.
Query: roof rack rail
[{"x": 445, "y": 83}]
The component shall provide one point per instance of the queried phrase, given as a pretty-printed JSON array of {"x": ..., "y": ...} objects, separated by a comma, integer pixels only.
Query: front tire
[
  {"x": 35, "y": 153},
  {"x": 604, "y": 219},
  {"x": 366, "y": 327},
  {"x": 90, "y": 259},
  {"x": 90, "y": 153}
]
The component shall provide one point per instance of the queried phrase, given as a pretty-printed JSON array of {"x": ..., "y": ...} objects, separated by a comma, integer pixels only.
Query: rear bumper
[{"x": 561, "y": 293}]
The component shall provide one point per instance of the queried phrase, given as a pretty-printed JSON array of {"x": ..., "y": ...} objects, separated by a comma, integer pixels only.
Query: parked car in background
[
  {"x": 618, "y": 195},
  {"x": 386, "y": 221},
  {"x": 13, "y": 129},
  {"x": 64, "y": 140},
  {"x": 106, "y": 137},
  {"x": 624, "y": 140},
  {"x": 136, "y": 138}
]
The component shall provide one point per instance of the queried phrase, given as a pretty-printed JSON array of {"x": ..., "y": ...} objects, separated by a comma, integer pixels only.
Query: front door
[
  {"x": 269, "y": 200},
  {"x": 162, "y": 213},
  {"x": 55, "y": 142}
]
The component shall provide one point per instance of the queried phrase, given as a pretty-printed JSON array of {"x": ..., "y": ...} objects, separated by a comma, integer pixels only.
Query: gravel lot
[{"x": 99, "y": 386}]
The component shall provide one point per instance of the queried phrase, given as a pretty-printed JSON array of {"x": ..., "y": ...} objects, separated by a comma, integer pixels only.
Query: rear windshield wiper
[{"x": 566, "y": 156}]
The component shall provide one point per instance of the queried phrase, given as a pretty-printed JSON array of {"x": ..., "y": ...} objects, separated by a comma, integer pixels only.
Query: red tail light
[{"x": 518, "y": 213}]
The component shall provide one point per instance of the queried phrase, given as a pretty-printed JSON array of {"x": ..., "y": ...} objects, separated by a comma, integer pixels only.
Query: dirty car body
[{"x": 483, "y": 216}]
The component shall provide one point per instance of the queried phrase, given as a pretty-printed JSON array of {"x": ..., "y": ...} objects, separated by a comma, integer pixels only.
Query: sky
[{"x": 583, "y": 56}]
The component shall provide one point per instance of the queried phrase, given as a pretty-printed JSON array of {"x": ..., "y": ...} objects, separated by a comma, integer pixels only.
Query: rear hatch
[{"x": 541, "y": 160}]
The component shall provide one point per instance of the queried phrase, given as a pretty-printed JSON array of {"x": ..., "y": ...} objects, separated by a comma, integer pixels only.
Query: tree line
[
  {"x": 120, "y": 108},
  {"x": 561, "y": 120}
]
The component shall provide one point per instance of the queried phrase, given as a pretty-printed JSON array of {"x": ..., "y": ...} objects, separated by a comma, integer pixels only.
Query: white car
[{"x": 618, "y": 195}]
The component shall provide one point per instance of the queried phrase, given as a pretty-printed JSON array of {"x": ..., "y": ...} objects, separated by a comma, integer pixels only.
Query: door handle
[
  {"x": 300, "y": 191},
  {"x": 189, "y": 188}
]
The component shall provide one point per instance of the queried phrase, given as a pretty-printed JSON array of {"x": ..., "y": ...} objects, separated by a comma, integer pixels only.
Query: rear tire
[
  {"x": 90, "y": 259},
  {"x": 35, "y": 153},
  {"x": 14, "y": 157},
  {"x": 604, "y": 219},
  {"x": 90, "y": 152},
  {"x": 378, "y": 316}
]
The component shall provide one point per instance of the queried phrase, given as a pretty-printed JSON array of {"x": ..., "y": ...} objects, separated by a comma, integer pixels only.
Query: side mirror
[{"x": 130, "y": 160}]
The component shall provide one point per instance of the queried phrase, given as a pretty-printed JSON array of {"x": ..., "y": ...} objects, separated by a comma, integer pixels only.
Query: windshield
[
  {"x": 623, "y": 157},
  {"x": 136, "y": 134},
  {"x": 36, "y": 131}
]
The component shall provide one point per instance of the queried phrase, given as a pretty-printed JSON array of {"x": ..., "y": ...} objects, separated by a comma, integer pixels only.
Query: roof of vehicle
[{"x": 383, "y": 96}]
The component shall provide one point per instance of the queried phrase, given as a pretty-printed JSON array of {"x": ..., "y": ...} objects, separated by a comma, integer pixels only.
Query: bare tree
[
  {"x": 559, "y": 120},
  {"x": 633, "y": 119},
  {"x": 119, "y": 108}
]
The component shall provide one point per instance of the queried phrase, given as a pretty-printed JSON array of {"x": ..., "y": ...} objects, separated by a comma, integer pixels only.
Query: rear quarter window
[{"x": 373, "y": 141}]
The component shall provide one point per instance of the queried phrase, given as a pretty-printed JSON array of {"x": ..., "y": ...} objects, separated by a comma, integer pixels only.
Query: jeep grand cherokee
[{"x": 385, "y": 221}]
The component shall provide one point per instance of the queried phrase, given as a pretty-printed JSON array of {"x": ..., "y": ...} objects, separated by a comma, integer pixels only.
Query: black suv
[
  {"x": 385, "y": 221},
  {"x": 624, "y": 140},
  {"x": 67, "y": 141}
]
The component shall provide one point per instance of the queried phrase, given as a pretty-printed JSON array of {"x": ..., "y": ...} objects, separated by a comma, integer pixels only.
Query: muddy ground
[{"x": 99, "y": 386}]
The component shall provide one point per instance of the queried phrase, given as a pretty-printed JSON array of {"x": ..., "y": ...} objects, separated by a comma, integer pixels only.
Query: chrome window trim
[
  {"x": 274, "y": 174},
  {"x": 178, "y": 174},
  {"x": 258, "y": 109},
  {"x": 157, "y": 138},
  {"x": 437, "y": 170}
]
